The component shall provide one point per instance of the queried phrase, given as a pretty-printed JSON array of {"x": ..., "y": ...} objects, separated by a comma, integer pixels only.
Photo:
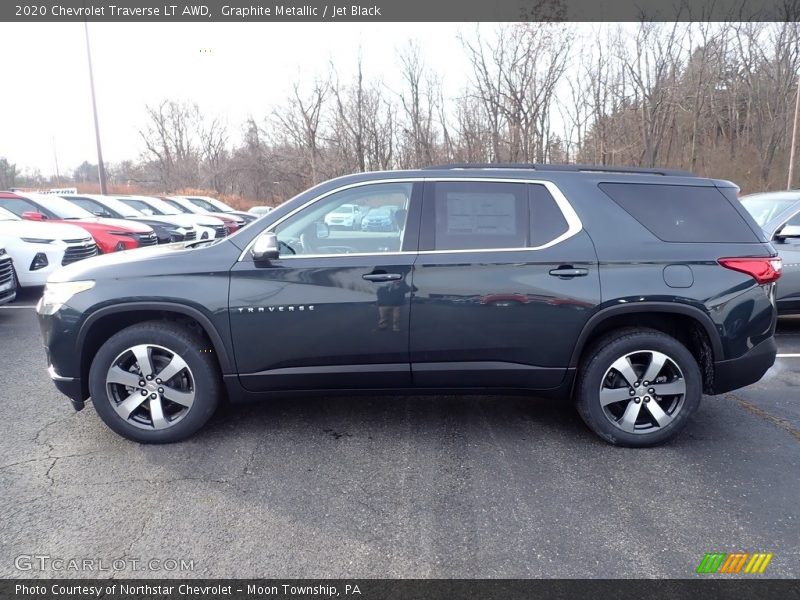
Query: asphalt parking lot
[{"x": 396, "y": 486}]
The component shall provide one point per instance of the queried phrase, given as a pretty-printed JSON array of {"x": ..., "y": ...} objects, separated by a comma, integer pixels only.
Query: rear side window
[
  {"x": 481, "y": 215},
  {"x": 681, "y": 213},
  {"x": 547, "y": 220}
]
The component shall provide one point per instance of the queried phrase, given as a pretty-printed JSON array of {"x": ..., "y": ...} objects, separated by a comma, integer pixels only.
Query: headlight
[
  {"x": 37, "y": 240},
  {"x": 57, "y": 294}
]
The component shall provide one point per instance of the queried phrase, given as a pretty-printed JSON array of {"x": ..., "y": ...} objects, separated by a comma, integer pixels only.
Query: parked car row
[{"x": 40, "y": 232}]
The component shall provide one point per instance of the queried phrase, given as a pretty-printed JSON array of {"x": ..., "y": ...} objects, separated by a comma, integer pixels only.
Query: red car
[{"x": 111, "y": 235}]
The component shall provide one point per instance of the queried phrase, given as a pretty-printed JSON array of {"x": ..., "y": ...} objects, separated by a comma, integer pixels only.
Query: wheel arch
[
  {"x": 687, "y": 324},
  {"x": 103, "y": 323}
]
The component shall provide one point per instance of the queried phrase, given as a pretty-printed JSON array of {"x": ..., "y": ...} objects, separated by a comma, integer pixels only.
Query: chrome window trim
[{"x": 574, "y": 224}]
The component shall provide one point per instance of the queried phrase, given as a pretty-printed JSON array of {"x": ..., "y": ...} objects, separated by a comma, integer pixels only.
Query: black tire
[
  {"x": 202, "y": 369},
  {"x": 637, "y": 344}
]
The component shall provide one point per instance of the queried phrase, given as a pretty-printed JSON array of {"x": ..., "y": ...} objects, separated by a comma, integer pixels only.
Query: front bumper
[
  {"x": 69, "y": 386},
  {"x": 745, "y": 370}
]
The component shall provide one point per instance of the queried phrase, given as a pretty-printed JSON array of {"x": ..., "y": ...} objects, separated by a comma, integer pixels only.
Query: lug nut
[
  {"x": 637, "y": 400},
  {"x": 638, "y": 383},
  {"x": 153, "y": 396},
  {"x": 631, "y": 391},
  {"x": 149, "y": 377},
  {"x": 160, "y": 390},
  {"x": 144, "y": 392},
  {"x": 158, "y": 381},
  {"x": 142, "y": 383},
  {"x": 646, "y": 383},
  {"x": 651, "y": 391},
  {"x": 647, "y": 398}
]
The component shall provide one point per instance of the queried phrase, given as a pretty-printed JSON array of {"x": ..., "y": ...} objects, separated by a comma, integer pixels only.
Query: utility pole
[
  {"x": 101, "y": 170},
  {"x": 794, "y": 137}
]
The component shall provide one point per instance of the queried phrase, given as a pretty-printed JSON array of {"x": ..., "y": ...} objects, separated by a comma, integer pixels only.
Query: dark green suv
[{"x": 631, "y": 291}]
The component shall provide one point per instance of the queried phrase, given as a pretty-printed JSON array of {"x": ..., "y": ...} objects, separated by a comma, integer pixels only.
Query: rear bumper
[{"x": 748, "y": 368}]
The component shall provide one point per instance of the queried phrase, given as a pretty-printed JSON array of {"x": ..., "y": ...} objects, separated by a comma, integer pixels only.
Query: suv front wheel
[
  {"x": 638, "y": 387},
  {"x": 155, "y": 382}
]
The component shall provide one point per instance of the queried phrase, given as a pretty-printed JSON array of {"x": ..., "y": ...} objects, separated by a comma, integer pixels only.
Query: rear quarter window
[{"x": 682, "y": 213}]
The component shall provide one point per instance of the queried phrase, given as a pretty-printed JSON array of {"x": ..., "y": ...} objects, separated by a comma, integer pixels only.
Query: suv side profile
[{"x": 631, "y": 291}]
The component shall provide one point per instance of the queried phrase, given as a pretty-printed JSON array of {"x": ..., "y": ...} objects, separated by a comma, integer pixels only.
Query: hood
[
  {"x": 187, "y": 220},
  {"x": 158, "y": 221},
  {"x": 122, "y": 224},
  {"x": 40, "y": 229},
  {"x": 165, "y": 260}
]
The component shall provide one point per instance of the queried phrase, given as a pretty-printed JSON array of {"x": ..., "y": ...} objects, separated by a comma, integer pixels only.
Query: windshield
[
  {"x": 178, "y": 206},
  {"x": 121, "y": 208},
  {"x": 764, "y": 209},
  {"x": 155, "y": 206},
  {"x": 8, "y": 216},
  {"x": 63, "y": 209},
  {"x": 205, "y": 204}
]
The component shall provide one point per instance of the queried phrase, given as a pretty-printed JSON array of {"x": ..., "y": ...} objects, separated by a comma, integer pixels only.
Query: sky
[{"x": 232, "y": 70}]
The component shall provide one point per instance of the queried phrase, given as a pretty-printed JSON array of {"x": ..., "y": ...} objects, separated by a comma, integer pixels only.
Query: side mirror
[
  {"x": 787, "y": 231},
  {"x": 265, "y": 247},
  {"x": 32, "y": 215},
  {"x": 323, "y": 231}
]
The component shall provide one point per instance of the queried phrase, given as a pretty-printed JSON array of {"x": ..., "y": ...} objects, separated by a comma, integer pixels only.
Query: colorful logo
[{"x": 735, "y": 562}]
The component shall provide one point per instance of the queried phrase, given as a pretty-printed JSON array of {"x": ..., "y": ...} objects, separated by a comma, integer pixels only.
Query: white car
[
  {"x": 346, "y": 215},
  {"x": 207, "y": 227},
  {"x": 259, "y": 211},
  {"x": 8, "y": 287},
  {"x": 39, "y": 248},
  {"x": 212, "y": 205}
]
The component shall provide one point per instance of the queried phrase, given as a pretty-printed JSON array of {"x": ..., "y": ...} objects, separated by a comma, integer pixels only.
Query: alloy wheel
[
  {"x": 642, "y": 391},
  {"x": 150, "y": 386}
]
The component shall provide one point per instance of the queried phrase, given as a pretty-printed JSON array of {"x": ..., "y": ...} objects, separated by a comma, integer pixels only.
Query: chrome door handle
[
  {"x": 569, "y": 272},
  {"x": 382, "y": 277}
]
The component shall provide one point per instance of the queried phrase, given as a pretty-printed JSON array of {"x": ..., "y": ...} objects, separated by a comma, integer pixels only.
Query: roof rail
[{"x": 572, "y": 168}]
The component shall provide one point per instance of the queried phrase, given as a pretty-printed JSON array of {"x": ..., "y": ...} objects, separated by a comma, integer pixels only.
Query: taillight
[{"x": 763, "y": 270}]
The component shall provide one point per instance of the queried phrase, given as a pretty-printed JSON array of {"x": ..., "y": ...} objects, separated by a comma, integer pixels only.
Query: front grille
[
  {"x": 5, "y": 270},
  {"x": 77, "y": 253},
  {"x": 220, "y": 231},
  {"x": 190, "y": 235},
  {"x": 147, "y": 239}
]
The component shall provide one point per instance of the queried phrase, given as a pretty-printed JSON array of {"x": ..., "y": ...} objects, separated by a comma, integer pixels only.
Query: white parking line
[
  {"x": 19, "y": 306},
  {"x": 788, "y": 355}
]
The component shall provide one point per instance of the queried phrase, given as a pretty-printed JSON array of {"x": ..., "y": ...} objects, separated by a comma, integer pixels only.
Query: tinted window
[
  {"x": 547, "y": 220},
  {"x": 93, "y": 207},
  {"x": 20, "y": 205},
  {"x": 477, "y": 215},
  {"x": 681, "y": 213}
]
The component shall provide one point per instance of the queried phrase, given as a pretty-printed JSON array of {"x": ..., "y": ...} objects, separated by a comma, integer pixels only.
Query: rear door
[{"x": 505, "y": 280}]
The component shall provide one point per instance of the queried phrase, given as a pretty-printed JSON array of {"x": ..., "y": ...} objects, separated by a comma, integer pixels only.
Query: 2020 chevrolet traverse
[{"x": 631, "y": 291}]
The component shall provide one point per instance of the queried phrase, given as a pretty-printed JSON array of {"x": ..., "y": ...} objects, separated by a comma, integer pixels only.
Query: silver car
[{"x": 778, "y": 214}]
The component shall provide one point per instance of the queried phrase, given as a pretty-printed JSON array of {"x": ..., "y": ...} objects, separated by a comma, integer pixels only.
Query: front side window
[
  {"x": 19, "y": 206},
  {"x": 365, "y": 219}
]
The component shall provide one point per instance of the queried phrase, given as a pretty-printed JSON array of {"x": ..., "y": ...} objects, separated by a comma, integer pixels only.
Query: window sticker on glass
[{"x": 483, "y": 214}]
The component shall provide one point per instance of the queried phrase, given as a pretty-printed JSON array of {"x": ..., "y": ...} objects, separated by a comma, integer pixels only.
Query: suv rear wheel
[
  {"x": 638, "y": 387},
  {"x": 154, "y": 382}
]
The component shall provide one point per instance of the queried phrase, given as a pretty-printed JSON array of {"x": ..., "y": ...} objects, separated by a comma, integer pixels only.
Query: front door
[
  {"x": 505, "y": 280},
  {"x": 332, "y": 311}
]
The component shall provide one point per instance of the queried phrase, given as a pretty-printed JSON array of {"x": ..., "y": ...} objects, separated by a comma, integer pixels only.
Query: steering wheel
[{"x": 282, "y": 244}]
